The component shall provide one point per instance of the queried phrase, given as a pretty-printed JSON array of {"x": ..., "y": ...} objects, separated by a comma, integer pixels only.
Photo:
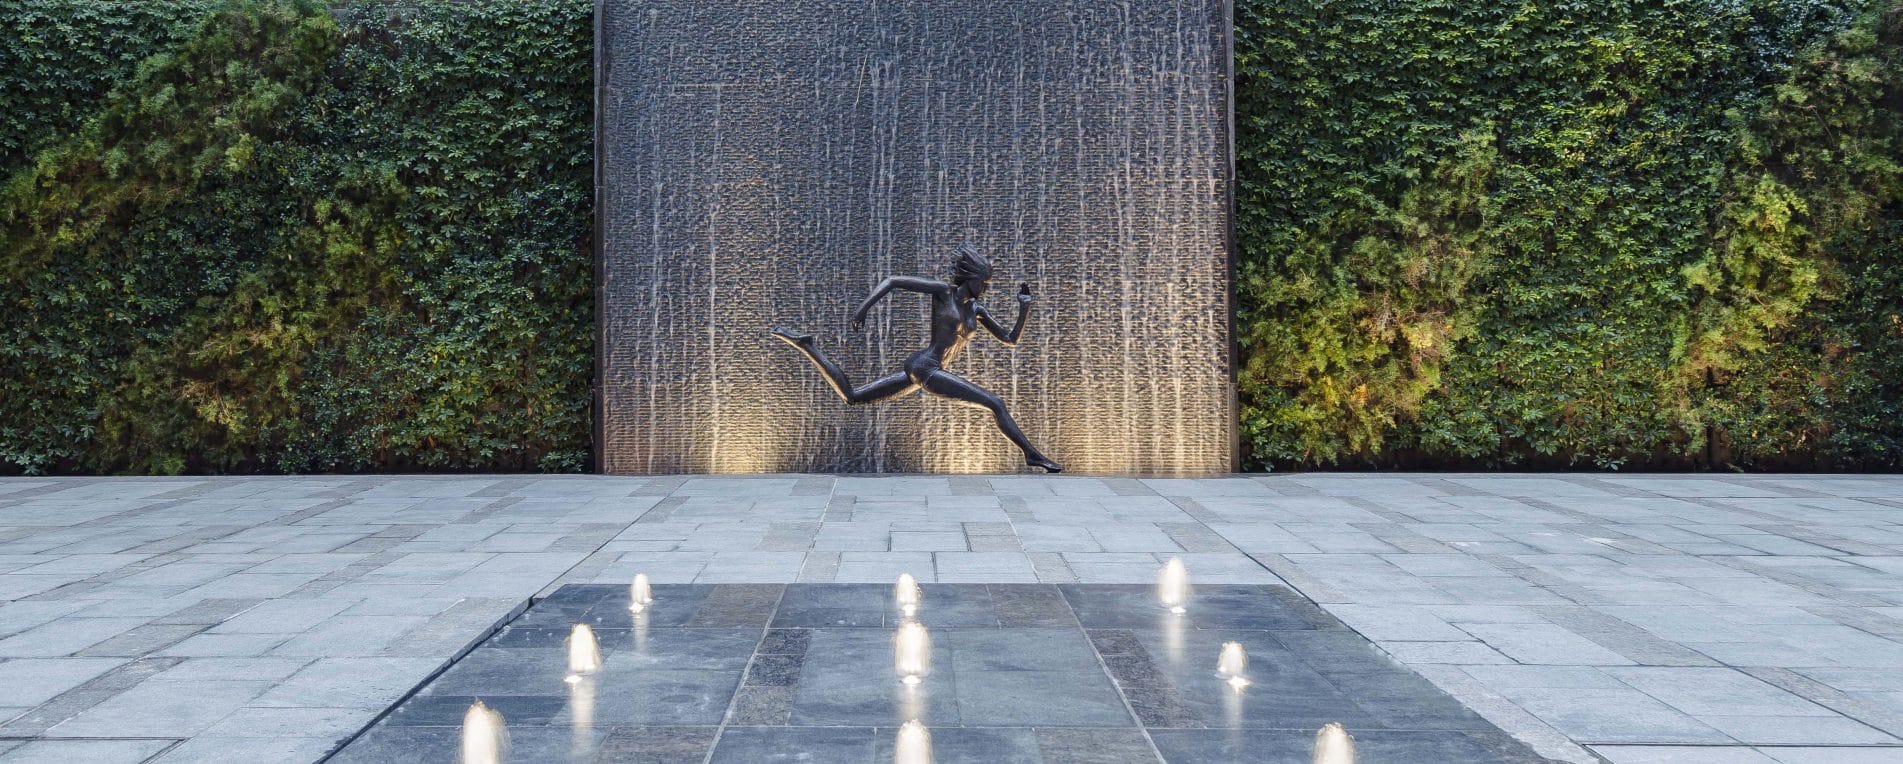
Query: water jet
[
  {"x": 911, "y": 653},
  {"x": 906, "y": 594},
  {"x": 485, "y": 737},
  {"x": 914, "y": 745},
  {"x": 1333, "y": 745},
  {"x": 1233, "y": 664},
  {"x": 640, "y": 593},
  {"x": 1172, "y": 585},
  {"x": 584, "y": 653}
]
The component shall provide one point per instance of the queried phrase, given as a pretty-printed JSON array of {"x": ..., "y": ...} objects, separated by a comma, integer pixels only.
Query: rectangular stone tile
[
  {"x": 847, "y": 679},
  {"x": 1613, "y": 716},
  {"x": 269, "y": 669},
  {"x": 928, "y": 542},
  {"x": 656, "y": 745},
  {"x": 1833, "y": 755},
  {"x": 1544, "y": 644},
  {"x": 350, "y": 682},
  {"x": 1458, "y": 653},
  {"x": 1397, "y": 622},
  {"x": 1094, "y": 746},
  {"x": 208, "y": 749},
  {"x": 283, "y": 616},
  {"x": 883, "y": 567},
  {"x": 162, "y": 709},
  {"x": 749, "y": 745},
  {"x": 1681, "y": 754},
  {"x": 92, "y": 751},
  {"x": 1715, "y": 692},
  {"x": 1020, "y": 699},
  {"x": 1786, "y": 730},
  {"x": 32, "y": 681},
  {"x": 1295, "y": 745},
  {"x": 761, "y": 706},
  {"x": 66, "y": 636},
  {"x": 345, "y": 636},
  {"x": 329, "y": 723}
]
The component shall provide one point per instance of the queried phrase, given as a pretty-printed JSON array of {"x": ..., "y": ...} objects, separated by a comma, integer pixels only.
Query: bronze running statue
[{"x": 956, "y": 314}]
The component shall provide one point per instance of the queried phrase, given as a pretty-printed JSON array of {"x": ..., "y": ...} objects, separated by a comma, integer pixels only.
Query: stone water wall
[{"x": 768, "y": 162}]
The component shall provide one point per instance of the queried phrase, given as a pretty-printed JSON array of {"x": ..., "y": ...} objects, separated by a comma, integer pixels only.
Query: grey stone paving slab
[
  {"x": 1480, "y": 580},
  {"x": 91, "y": 751}
]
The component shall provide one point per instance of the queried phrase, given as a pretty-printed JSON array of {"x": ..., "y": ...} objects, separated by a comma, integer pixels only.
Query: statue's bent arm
[
  {"x": 997, "y": 329},
  {"x": 907, "y": 283}
]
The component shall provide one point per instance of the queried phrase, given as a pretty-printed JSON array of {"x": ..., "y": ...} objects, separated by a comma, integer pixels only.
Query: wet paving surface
[{"x": 1019, "y": 673}]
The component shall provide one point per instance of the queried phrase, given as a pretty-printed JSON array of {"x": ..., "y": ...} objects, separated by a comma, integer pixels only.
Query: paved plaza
[{"x": 1634, "y": 618}]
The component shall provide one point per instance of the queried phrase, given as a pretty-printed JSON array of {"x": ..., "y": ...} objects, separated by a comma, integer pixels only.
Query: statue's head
[{"x": 971, "y": 271}]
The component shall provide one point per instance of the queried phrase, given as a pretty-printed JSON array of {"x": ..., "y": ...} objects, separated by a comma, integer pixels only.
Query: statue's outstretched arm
[
  {"x": 907, "y": 283},
  {"x": 1017, "y": 329}
]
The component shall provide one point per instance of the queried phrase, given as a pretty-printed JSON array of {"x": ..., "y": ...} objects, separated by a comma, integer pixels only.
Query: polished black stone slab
[{"x": 1021, "y": 673}]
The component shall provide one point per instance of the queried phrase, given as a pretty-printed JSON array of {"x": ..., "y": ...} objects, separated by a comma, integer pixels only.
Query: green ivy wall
[
  {"x": 296, "y": 243},
  {"x": 1571, "y": 234},
  {"x": 271, "y": 236}
]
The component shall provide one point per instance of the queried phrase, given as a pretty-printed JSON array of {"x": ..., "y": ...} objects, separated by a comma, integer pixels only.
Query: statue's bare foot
[
  {"x": 793, "y": 337},
  {"x": 1044, "y": 464}
]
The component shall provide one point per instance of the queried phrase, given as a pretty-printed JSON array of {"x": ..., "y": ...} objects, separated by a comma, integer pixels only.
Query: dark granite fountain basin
[{"x": 1020, "y": 673}]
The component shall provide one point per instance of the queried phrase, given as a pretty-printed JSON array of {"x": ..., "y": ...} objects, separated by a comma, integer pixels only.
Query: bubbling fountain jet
[
  {"x": 1172, "y": 585},
  {"x": 1333, "y": 745},
  {"x": 914, "y": 745},
  {"x": 640, "y": 593},
  {"x": 485, "y": 738},
  {"x": 584, "y": 653},
  {"x": 1233, "y": 665},
  {"x": 906, "y": 594},
  {"x": 911, "y": 653}
]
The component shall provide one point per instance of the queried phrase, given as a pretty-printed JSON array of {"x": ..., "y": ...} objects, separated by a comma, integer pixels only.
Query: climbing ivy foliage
[
  {"x": 61, "y": 56},
  {"x": 307, "y": 239},
  {"x": 1629, "y": 233}
]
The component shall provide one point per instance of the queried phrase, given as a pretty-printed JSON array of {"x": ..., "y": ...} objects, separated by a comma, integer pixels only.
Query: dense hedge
[
  {"x": 294, "y": 242},
  {"x": 1616, "y": 232}
]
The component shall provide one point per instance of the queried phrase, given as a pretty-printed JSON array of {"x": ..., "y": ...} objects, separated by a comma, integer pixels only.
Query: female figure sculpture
[{"x": 956, "y": 315}]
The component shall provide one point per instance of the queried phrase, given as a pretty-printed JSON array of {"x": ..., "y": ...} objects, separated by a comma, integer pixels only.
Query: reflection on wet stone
[{"x": 1016, "y": 678}]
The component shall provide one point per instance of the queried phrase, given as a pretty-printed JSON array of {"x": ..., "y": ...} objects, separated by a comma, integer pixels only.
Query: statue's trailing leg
[{"x": 883, "y": 389}]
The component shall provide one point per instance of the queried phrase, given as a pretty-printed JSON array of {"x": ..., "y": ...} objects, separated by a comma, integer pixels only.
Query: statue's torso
[{"x": 953, "y": 324}]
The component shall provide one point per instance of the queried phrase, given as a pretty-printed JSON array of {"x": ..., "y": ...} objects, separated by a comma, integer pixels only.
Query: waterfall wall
[{"x": 768, "y": 162}]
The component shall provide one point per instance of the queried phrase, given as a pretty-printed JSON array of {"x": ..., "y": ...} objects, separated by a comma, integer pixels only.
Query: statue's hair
[{"x": 970, "y": 264}]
